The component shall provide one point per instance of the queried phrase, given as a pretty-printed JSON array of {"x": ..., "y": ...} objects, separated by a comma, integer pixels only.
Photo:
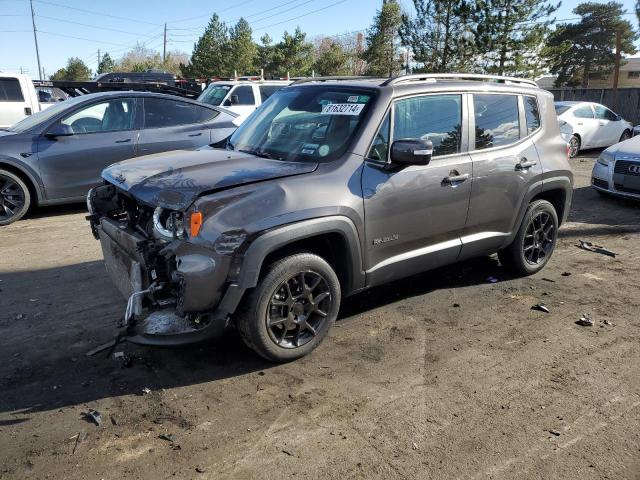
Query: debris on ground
[
  {"x": 492, "y": 279},
  {"x": 287, "y": 452},
  {"x": 548, "y": 280},
  {"x": 585, "y": 321},
  {"x": 607, "y": 322},
  {"x": 456, "y": 305},
  {"x": 566, "y": 274},
  {"x": 121, "y": 360},
  {"x": 101, "y": 348},
  {"x": 541, "y": 308},
  {"x": 79, "y": 438},
  {"x": 168, "y": 437},
  {"x": 200, "y": 470},
  {"x": 146, "y": 391},
  {"x": 554, "y": 432},
  {"x": 94, "y": 416},
  {"x": 594, "y": 248}
]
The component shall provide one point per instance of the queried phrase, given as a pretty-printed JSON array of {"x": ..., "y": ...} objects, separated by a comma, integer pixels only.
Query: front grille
[
  {"x": 599, "y": 183},
  {"x": 622, "y": 167},
  {"x": 622, "y": 188}
]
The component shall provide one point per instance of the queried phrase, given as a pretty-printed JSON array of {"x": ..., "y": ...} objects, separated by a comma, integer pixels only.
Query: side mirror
[
  {"x": 59, "y": 130},
  {"x": 411, "y": 152},
  {"x": 235, "y": 99}
]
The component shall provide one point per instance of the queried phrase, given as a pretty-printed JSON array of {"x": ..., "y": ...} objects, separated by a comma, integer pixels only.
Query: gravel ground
[{"x": 443, "y": 375}]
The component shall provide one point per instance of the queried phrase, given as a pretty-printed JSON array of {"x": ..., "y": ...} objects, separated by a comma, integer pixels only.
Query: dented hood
[{"x": 175, "y": 179}]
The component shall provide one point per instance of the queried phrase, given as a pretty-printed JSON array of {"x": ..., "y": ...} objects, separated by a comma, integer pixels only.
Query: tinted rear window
[
  {"x": 160, "y": 112},
  {"x": 497, "y": 120},
  {"x": 532, "y": 114},
  {"x": 560, "y": 109},
  {"x": 10, "y": 90}
]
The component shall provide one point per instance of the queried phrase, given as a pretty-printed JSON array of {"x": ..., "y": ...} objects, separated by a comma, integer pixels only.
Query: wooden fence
[{"x": 628, "y": 99}]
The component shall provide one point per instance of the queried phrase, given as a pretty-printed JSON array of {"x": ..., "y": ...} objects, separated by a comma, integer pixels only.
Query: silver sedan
[{"x": 617, "y": 170}]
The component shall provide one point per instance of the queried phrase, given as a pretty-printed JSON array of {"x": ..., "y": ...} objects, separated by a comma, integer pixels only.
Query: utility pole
[
  {"x": 616, "y": 69},
  {"x": 35, "y": 37},
  {"x": 98, "y": 58},
  {"x": 164, "y": 46}
]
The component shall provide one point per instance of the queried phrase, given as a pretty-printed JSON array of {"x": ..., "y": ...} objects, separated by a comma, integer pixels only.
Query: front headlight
[
  {"x": 168, "y": 223},
  {"x": 605, "y": 157}
]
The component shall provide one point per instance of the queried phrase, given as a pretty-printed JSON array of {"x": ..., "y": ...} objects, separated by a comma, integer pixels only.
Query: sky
[{"x": 80, "y": 28}]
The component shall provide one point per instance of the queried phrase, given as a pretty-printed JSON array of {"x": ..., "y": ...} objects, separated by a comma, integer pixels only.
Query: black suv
[{"x": 332, "y": 186}]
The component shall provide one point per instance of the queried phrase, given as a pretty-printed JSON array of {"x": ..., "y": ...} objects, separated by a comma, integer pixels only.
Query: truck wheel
[
  {"x": 291, "y": 309},
  {"x": 14, "y": 198},
  {"x": 533, "y": 245}
]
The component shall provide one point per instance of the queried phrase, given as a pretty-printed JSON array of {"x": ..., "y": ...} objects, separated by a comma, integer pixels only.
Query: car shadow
[
  {"x": 53, "y": 210},
  {"x": 43, "y": 361}
]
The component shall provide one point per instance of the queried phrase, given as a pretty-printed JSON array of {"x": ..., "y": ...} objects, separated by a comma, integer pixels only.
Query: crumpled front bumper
[{"x": 189, "y": 303}]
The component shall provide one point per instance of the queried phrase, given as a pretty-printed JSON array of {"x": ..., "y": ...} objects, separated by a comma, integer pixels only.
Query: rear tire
[
  {"x": 626, "y": 135},
  {"x": 574, "y": 146},
  {"x": 535, "y": 241},
  {"x": 15, "y": 198},
  {"x": 292, "y": 308}
]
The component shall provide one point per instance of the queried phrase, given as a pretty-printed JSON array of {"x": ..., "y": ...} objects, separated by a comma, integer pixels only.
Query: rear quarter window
[
  {"x": 10, "y": 90},
  {"x": 531, "y": 114}
]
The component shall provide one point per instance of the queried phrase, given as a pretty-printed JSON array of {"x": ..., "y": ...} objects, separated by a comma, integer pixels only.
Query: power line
[
  {"x": 218, "y": 11},
  {"x": 93, "y": 12},
  {"x": 82, "y": 38},
  {"x": 88, "y": 25},
  {"x": 300, "y": 16}
]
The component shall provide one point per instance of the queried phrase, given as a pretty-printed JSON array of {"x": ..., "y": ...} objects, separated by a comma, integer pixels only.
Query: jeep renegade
[{"x": 332, "y": 186}]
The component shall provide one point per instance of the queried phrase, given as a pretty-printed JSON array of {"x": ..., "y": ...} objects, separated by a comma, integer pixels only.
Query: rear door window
[
  {"x": 267, "y": 90},
  {"x": 161, "y": 112},
  {"x": 245, "y": 95},
  {"x": 497, "y": 120},
  {"x": 531, "y": 114},
  {"x": 10, "y": 90},
  {"x": 430, "y": 117},
  {"x": 583, "y": 112},
  {"x": 604, "y": 113}
]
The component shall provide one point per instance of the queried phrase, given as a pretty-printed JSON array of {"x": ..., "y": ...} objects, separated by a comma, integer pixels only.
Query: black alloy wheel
[
  {"x": 298, "y": 309},
  {"x": 539, "y": 238},
  {"x": 14, "y": 198}
]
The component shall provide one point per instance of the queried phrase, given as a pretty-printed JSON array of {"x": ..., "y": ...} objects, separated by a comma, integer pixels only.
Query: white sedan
[{"x": 594, "y": 125}]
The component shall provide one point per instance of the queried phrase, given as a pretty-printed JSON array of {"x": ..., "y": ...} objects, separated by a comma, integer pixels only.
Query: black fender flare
[{"x": 279, "y": 237}]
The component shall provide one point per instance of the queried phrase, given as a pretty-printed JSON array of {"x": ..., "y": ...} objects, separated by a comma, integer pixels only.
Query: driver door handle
[
  {"x": 126, "y": 140},
  {"x": 524, "y": 164},
  {"x": 195, "y": 134},
  {"x": 451, "y": 179}
]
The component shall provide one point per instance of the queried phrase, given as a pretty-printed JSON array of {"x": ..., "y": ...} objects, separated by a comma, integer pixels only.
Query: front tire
[
  {"x": 574, "y": 146},
  {"x": 15, "y": 198},
  {"x": 535, "y": 241},
  {"x": 292, "y": 308}
]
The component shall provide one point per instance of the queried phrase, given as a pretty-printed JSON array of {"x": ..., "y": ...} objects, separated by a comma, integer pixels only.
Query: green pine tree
[
  {"x": 578, "y": 52},
  {"x": 106, "y": 64},
  {"x": 242, "y": 50},
  {"x": 75, "y": 70},
  {"x": 293, "y": 55},
  {"x": 210, "y": 53},
  {"x": 510, "y": 34},
  {"x": 331, "y": 59},
  {"x": 264, "y": 54},
  {"x": 381, "y": 53}
]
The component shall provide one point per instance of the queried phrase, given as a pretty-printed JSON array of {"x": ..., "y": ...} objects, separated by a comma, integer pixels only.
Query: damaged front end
[{"x": 177, "y": 289}]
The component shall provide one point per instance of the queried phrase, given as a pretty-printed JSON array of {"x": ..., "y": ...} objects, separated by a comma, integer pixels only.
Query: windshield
[
  {"x": 43, "y": 116},
  {"x": 214, "y": 94},
  {"x": 560, "y": 109},
  {"x": 311, "y": 123}
]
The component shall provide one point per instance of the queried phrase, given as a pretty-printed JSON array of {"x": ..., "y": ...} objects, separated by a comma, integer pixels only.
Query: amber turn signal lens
[{"x": 196, "y": 223}]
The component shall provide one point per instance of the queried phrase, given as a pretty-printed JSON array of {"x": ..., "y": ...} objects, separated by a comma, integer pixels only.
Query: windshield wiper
[{"x": 260, "y": 153}]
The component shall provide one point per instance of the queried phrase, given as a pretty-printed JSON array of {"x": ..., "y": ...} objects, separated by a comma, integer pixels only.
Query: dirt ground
[{"x": 443, "y": 375}]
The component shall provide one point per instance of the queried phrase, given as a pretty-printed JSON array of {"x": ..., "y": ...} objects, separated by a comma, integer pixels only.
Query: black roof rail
[
  {"x": 74, "y": 89},
  {"x": 425, "y": 77},
  {"x": 325, "y": 79}
]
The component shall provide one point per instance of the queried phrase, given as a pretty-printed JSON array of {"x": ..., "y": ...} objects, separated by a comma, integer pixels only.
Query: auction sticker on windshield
[{"x": 342, "y": 109}]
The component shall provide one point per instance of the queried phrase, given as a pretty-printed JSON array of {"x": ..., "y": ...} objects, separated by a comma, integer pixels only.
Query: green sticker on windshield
[{"x": 364, "y": 98}]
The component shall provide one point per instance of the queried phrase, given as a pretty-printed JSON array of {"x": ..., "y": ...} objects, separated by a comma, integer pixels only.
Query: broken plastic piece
[
  {"x": 585, "y": 321},
  {"x": 595, "y": 248},
  {"x": 540, "y": 308},
  {"x": 95, "y": 416}
]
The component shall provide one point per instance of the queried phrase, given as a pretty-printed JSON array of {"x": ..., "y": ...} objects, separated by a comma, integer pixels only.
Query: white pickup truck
[{"x": 18, "y": 98}]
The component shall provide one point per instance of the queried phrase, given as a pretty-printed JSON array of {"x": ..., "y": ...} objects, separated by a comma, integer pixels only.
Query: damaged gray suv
[{"x": 332, "y": 186}]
